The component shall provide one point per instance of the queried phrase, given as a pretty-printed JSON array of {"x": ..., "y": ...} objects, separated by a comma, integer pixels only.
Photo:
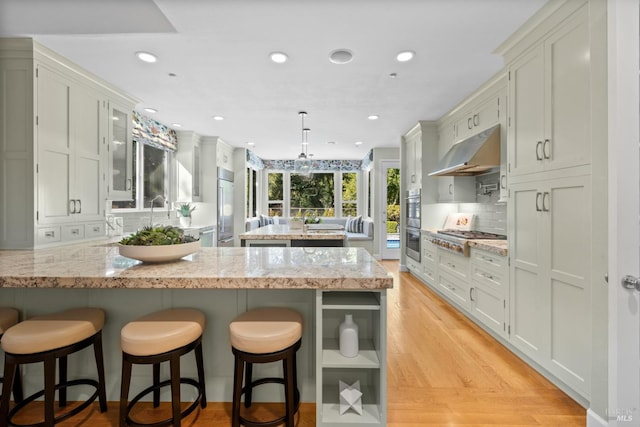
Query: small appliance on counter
[{"x": 457, "y": 232}]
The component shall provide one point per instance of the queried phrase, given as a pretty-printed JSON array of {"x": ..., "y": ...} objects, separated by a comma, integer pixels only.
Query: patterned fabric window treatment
[{"x": 150, "y": 132}]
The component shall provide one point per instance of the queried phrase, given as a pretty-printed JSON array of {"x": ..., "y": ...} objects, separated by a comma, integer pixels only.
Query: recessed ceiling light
[
  {"x": 251, "y": 144},
  {"x": 341, "y": 56},
  {"x": 218, "y": 118},
  {"x": 373, "y": 117},
  {"x": 172, "y": 74},
  {"x": 146, "y": 57},
  {"x": 151, "y": 110},
  {"x": 278, "y": 57},
  {"x": 393, "y": 75},
  {"x": 358, "y": 142},
  {"x": 405, "y": 56},
  {"x": 331, "y": 142},
  {"x": 177, "y": 125}
]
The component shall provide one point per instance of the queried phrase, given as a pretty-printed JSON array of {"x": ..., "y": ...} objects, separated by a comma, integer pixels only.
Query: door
[
  {"x": 390, "y": 210},
  {"x": 624, "y": 212}
]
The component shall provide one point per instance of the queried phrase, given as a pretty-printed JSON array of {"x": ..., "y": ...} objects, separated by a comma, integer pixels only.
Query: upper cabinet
[
  {"x": 550, "y": 102},
  {"x": 54, "y": 147},
  {"x": 120, "y": 153}
]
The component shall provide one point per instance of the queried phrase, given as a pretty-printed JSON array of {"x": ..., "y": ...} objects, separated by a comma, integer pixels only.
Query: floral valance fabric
[
  {"x": 316, "y": 165},
  {"x": 150, "y": 132}
]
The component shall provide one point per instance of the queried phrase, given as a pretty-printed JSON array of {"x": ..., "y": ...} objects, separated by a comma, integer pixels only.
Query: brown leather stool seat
[
  {"x": 9, "y": 317},
  {"x": 158, "y": 337},
  {"x": 48, "y": 339},
  {"x": 265, "y": 335}
]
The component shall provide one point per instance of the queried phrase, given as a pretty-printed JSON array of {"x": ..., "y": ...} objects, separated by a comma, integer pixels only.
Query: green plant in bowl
[{"x": 157, "y": 236}]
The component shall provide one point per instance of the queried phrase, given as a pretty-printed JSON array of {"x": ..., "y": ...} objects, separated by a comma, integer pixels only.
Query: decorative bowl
[{"x": 159, "y": 253}]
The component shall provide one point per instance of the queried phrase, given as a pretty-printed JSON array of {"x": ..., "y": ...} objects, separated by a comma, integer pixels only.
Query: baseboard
[
  {"x": 403, "y": 267},
  {"x": 594, "y": 420}
]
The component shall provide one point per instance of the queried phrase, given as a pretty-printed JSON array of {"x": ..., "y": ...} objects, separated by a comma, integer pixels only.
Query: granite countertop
[
  {"x": 101, "y": 266},
  {"x": 498, "y": 247},
  {"x": 284, "y": 232}
]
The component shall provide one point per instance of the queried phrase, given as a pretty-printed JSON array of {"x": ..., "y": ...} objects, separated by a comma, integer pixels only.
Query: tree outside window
[
  {"x": 314, "y": 194},
  {"x": 275, "y": 199},
  {"x": 349, "y": 193}
]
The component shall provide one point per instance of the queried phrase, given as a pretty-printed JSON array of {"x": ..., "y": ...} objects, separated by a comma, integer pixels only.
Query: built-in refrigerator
[{"x": 225, "y": 207}]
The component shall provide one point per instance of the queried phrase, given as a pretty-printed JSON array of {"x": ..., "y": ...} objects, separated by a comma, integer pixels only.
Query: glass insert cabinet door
[{"x": 120, "y": 154}]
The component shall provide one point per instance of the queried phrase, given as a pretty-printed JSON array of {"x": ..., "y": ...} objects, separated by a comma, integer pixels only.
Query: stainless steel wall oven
[{"x": 412, "y": 224}]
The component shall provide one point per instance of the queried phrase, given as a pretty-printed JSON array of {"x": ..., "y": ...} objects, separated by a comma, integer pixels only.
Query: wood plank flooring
[{"x": 442, "y": 371}]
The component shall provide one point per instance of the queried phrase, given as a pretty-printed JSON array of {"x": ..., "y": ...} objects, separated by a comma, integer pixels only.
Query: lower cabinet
[
  {"x": 489, "y": 290},
  {"x": 368, "y": 309}
]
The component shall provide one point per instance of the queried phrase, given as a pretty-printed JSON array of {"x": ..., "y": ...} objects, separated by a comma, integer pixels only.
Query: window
[
  {"x": 275, "y": 198},
  {"x": 349, "y": 193},
  {"x": 153, "y": 172},
  {"x": 252, "y": 192},
  {"x": 314, "y": 194}
]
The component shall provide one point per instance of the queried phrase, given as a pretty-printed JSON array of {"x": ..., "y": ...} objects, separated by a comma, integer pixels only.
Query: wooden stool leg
[
  {"x": 174, "y": 366},
  {"x": 201, "y": 380},
  {"x": 237, "y": 391},
  {"x": 49, "y": 389},
  {"x": 156, "y": 381},
  {"x": 62, "y": 393},
  {"x": 248, "y": 386},
  {"x": 124, "y": 390},
  {"x": 102, "y": 388},
  {"x": 9, "y": 374},
  {"x": 18, "y": 393}
]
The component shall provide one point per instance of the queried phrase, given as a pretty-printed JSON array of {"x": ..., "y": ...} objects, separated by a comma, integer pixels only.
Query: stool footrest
[
  {"x": 64, "y": 416},
  {"x": 168, "y": 421}
]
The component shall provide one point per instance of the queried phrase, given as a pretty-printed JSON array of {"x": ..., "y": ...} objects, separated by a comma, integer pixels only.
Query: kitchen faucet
[{"x": 159, "y": 196}]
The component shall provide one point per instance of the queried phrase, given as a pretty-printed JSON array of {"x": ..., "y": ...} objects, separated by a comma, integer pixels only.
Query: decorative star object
[{"x": 350, "y": 397}]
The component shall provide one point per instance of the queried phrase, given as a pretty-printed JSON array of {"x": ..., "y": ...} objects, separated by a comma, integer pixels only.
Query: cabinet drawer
[
  {"x": 48, "y": 235},
  {"x": 413, "y": 266},
  {"x": 429, "y": 272},
  {"x": 73, "y": 232},
  {"x": 488, "y": 260},
  {"x": 458, "y": 266},
  {"x": 457, "y": 290},
  {"x": 94, "y": 230},
  {"x": 491, "y": 278}
]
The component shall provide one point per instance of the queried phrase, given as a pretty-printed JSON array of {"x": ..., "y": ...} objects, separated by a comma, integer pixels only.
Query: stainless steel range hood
[{"x": 472, "y": 156}]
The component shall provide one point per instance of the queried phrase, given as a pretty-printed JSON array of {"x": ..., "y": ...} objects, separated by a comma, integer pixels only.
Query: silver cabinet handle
[
  {"x": 476, "y": 119},
  {"x": 545, "y": 198},
  {"x": 503, "y": 182},
  {"x": 96, "y": 229},
  {"x": 50, "y": 234},
  {"x": 631, "y": 282},
  {"x": 471, "y": 294},
  {"x": 127, "y": 186},
  {"x": 538, "y": 208},
  {"x": 488, "y": 276},
  {"x": 469, "y": 123},
  {"x": 546, "y": 154},
  {"x": 539, "y": 155},
  {"x": 75, "y": 231},
  {"x": 72, "y": 206},
  {"x": 450, "y": 189},
  {"x": 79, "y": 206}
]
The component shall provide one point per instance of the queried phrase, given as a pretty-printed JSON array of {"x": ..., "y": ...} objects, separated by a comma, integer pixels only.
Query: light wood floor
[{"x": 442, "y": 371}]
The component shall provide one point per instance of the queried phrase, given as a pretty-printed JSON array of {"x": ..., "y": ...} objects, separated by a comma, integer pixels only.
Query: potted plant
[{"x": 184, "y": 213}]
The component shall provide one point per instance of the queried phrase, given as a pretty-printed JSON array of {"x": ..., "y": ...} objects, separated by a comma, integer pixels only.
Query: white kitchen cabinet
[
  {"x": 70, "y": 160},
  {"x": 489, "y": 290},
  {"x": 550, "y": 102},
  {"x": 453, "y": 277},
  {"x": 53, "y": 146},
  {"x": 120, "y": 153},
  {"x": 368, "y": 309},
  {"x": 429, "y": 259},
  {"x": 482, "y": 116},
  {"x": 224, "y": 155},
  {"x": 413, "y": 158},
  {"x": 549, "y": 232}
]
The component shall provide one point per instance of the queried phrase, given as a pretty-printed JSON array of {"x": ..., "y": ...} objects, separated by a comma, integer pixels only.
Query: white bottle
[{"x": 348, "y": 337}]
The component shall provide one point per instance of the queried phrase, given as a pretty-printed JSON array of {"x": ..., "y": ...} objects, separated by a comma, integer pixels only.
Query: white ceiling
[{"x": 219, "y": 51}]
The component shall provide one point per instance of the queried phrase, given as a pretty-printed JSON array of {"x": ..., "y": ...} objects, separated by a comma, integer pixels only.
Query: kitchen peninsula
[
  {"x": 285, "y": 235},
  {"x": 323, "y": 284}
]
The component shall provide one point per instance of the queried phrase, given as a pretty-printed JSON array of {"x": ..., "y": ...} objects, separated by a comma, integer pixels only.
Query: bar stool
[
  {"x": 159, "y": 337},
  {"x": 48, "y": 339},
  {"x": 9, "y": 317},
  {"x": 265, "y": 335}
]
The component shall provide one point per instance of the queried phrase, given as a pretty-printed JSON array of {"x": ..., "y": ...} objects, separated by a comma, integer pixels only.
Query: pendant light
[{"x": 302, "y": 164}]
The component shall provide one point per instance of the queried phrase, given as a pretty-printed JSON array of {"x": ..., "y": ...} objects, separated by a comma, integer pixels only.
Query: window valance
[{"x": 148, "y": 131}]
